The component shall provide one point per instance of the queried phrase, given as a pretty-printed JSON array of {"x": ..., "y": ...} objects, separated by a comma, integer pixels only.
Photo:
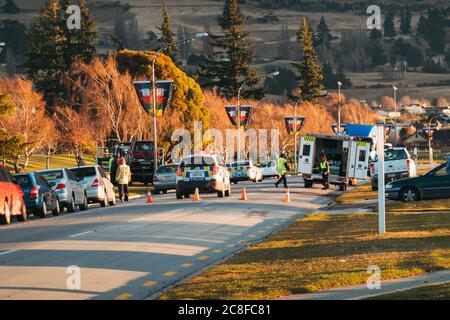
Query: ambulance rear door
[
  {"x": 306, "y": 155},
  {"x": 359, "y": 160}
]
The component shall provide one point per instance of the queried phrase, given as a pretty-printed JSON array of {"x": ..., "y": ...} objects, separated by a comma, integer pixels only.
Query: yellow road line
[
  {"x": 203, "y": 258},
  {"x": 150, "y": 284},
  {"x": 124, "y": 296},
  {"x": 218, "y": 251},
  {"x": 187, "y": 265},
  {"x": 170, "y": 273}
]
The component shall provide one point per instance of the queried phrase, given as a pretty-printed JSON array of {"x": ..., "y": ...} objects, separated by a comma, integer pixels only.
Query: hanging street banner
[
  {"x": 246, "y": 114},
  {"x": 163, "y": 95},
  {"x": 429, "y": 131},
  {"x": 289, "y": 121},
  {"x": 144, "y": 92},
  {"x": 335, "y": 128}
]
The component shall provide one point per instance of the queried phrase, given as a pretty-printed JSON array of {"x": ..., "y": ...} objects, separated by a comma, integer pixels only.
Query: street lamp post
[
  {"x": 238, "y": 108},
  {"x": 395, "y": 115},
  {"x": 158, "y": 53},
  {"x": 339, "y": 107}
]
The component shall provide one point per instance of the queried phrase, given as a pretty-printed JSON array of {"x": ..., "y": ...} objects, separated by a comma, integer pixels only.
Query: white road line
[
  {"x": 8, "y": 252},
  {"x": 80, "y": 234}
]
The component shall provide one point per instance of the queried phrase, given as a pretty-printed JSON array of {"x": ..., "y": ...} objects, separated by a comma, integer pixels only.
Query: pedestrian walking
[
  {"x": 123, "y": 178},
  {"x": 80, "y": 160},
  {"x": 325, "y": 170},
  {"x": 113, "y": 168},
  {"x": 282, "y": 168}
]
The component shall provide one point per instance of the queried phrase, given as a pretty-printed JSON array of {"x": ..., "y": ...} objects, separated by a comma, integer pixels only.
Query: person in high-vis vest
[
  {"x": 123, "y": 178},
  {"x": 325, "y": 170},
  {"x": 282, "y": 167}
]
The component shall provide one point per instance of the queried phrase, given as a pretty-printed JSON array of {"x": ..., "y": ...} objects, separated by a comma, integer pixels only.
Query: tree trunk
[
  {"x": 47, "y": 160},
  {"x": 27, "y": 160}
]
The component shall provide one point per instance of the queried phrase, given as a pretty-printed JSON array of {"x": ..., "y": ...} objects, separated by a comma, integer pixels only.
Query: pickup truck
[{"x": 398, "y": 164}]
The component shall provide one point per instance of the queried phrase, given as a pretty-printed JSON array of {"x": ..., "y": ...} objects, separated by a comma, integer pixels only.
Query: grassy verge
[
  {"x": 431, "y": 292},
  {"x": 326, "y": 251}
]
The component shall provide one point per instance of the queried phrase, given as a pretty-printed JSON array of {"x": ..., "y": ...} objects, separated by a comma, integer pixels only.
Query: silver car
[
  {"x": 71, "y": 193},
  {"x": 165, "y": 178},
  {"x": 98, "y": 187}
]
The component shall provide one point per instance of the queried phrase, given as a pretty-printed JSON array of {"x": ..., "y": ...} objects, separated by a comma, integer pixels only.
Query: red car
[{"x": 11, "y": 198}]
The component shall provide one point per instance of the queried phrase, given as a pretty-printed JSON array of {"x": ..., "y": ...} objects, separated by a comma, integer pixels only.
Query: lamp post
[
  {"x": 395, "y": 116},
  {"x": 430, "y": 138},
  {"x": 238, "y": 108},
  {"x": 339, "y": 107},
  {"x": 158, "y": 53}
]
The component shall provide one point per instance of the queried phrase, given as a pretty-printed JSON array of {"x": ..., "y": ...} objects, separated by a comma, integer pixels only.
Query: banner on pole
[
  {"x": 144, "y": 92},
  {"x": 335, "y": 128},
  {"x": 289, "y": 121},
  {"x": 163, "y": 95},
  {"x": 246, "y": 114}
]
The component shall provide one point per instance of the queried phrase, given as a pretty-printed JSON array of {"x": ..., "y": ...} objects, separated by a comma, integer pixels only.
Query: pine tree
[
  {"x": 405, "y": 21},
  {"x": 167, "y": 36},
  {"x": 389, "y": 26},
  {"x": 311, "y": 74},
  {"x": 323, "y": 33},
  {"x": 53, "y": 47},
  {"x": 422, "y": 26},
  {"x": 376, "y": 35},
  {"x": 10, "y": 7},
  {"x": 229, "y": 66}
]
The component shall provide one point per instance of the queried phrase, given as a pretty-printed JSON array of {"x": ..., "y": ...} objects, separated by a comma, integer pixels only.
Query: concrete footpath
[{"x": 359, "y": 292}]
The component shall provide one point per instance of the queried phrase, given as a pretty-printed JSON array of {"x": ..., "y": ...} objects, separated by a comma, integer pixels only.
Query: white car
[
  {"x": 269, "y": 169},
  {"x": 244, "y": 170}
]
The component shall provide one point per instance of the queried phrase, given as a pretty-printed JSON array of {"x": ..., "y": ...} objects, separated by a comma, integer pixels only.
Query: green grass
[
  {"x": 430, "y": 292},
  {"x": 321, "y": 252}
]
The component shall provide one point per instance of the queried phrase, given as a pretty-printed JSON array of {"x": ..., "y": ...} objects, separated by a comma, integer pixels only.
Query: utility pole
[
  {"x": 339, "y": 107},
  {"x": 395, "y": 116}
]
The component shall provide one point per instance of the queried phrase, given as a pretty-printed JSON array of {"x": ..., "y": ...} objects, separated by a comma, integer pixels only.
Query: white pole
[
  {"x": 416, "y": 160},
  {"x": 238, "y": 110},
  {"x": 295, "y": 135},
  {"x": 155, "y": 135},
  {"x": 381, "y": 186}
]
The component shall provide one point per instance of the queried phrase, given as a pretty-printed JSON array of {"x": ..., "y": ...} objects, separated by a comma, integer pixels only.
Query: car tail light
[
  {"x": 96, "y": 183},
  {"x": 179, "y": 172},
  {"x": 372, "y": 167},
  {"x": 408, "y": 164},
  {"x": 215, "y": 170},
  {"x": 60, "y": 186},
  {"x": 34, "y": 193},
  {"x": 155, "y": 178}
]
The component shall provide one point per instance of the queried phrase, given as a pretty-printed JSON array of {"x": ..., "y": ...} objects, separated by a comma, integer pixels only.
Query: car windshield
[
  {"x": 395, "y": 154},
  {"x": 167, "y": 169},
  {"x": 23, "y": 180},
  {"x": 82, "y": 173},
  {"x": 52, "y": 175},
  {"x": 266, "y": 165},
  {"x": 240, "y": 164},
  {"x": 197, "y": 161},
  {"x": 143, "y": 146}
]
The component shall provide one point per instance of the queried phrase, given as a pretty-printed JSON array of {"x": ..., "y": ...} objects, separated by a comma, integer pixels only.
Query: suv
[
  {"x": 245, "y": 171},
  {"x": 398, "y": 164},
  {"x": 141, "y": 161},
  {"x": 11, "y": 198},
  {"x": 204, "y": 172}
]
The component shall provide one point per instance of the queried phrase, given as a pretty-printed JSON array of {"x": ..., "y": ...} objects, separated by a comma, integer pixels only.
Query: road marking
[
  {"x": 124, "y": 296},
  {"x": 150, "y": 284},
  {"x": 80, "y": 234},
  {"x": 260, "y": 231},
  {"x": 269, "y": 228},
  {"x": 187, "y": 265},
  {"x": 8, "y": 252},
  {"x": 170, "y": 273},
  {"x": 203, "y": 258}
]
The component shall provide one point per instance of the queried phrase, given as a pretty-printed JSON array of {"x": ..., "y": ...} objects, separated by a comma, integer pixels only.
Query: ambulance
[{"x": 348, "y": 159}]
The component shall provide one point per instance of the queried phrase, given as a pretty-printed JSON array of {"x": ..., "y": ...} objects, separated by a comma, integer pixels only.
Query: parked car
[
  {"x": 71, "y": 193},
  {"x": 398, "y": 164},
  {"x": 98, "y": 187},
  {"x": 435, "y": 184},
  {"x": 245, "y": 170},
  {"x": 40, "y": 198},
  {"x": 165, "y": 178},
  {"x": 205, "y": 172},
  {"x": 269, "y": 169},
  {"x": 141, "y": 161},
  {"x": 12, "y": 203}
]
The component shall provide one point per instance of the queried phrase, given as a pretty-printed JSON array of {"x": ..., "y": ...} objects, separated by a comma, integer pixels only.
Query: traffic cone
[
  {"x": 149, "y": 197},
  {"x": 287, "y": 197},
  {"x": 244, "y": 194},
  {"x": 197, "y": 195}
]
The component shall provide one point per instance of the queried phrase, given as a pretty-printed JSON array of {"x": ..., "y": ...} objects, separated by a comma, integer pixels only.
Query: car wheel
[
  {"x": 308, "y": 184},
  {"x": 164, "y": 192},
  {"x": 155, "y": 191},
  {"x": 374, "y": 188},
  {"x": 228, "y": 191},
  {"x": 409, "y": 194},
  {"x": 220, "y": 193},
  {"x": 71, "y": 206},
  {"x": 23, "y": 215},
  {"x": 84, "y": 206},
  {"x": 43, "y": 211},
  {"x": 342, "y": 187},
  {"x": 5, "y": 218},
  {"x": 57, "y": 210}
]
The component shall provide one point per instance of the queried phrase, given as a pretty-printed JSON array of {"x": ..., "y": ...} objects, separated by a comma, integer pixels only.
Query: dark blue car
[{"x": 39, "y": 197}]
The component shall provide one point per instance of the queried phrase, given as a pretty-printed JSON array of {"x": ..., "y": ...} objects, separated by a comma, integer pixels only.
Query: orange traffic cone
[
  {"x": 287, "y": 197},
  {"x": 149, "y": 197},
  {"x": 244, "y": 194},
  {"x": 197, "y": 195}
]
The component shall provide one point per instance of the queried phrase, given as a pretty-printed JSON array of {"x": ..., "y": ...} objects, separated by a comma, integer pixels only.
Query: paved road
[{"x": 134, "y": 251}]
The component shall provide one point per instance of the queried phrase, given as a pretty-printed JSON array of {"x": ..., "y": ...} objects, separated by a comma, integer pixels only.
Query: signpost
[{"x": 381, "y": 187}]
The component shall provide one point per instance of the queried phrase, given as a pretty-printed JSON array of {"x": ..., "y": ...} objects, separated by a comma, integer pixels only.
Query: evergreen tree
[
  {"x": 167, "y": 36},
  {"x": 229, "y": 66},
  {"x": 405, "y": 21},
  {"x": 389, "y": 25},
  {"x": 376, "y": 35},
  {"x": 53, "y": 47},
  {"x": 422, "y": 26},
  {"x": 311, "y": 76},
  {"x": 10, "y": 7},
  {"x": 323, "y": 33}
]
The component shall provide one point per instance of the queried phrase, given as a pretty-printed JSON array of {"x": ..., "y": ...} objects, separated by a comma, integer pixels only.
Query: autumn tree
[{"x": 310, "y": 73}]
